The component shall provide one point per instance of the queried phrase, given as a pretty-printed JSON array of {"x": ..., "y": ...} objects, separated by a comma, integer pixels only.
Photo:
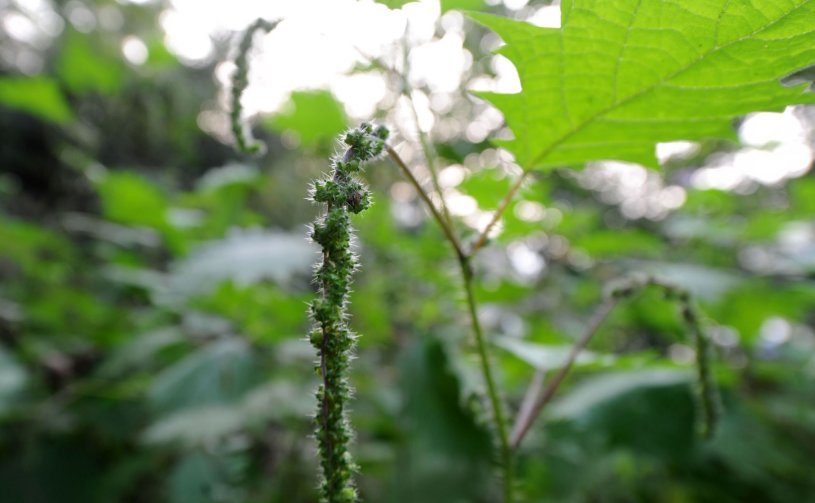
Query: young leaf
[{"x": 621, "y": 76}]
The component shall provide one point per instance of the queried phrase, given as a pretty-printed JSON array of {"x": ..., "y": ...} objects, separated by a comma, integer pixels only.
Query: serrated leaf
[{"x": 621, "y": 76}]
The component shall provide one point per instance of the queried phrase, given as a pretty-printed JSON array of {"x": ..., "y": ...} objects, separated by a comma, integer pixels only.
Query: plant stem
[
  {"x": 445, "y": 226},
  {"x": 482, "y": 238},
  {"x": 481, "y": 345},
  {"x": 492, "y": 389},
  {"x": 431, "y": 163},
  {"x": 526, "y": 418},
  {"x": 407, "y": 92},
  {"x": 625, "y": 288}
]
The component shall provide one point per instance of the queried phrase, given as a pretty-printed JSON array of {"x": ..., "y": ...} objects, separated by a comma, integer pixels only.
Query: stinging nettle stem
[{"x": 342, "y": 194}]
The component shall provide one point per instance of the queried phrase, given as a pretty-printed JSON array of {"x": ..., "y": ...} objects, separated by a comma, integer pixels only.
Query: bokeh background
[{"x": 153, "y": 282}]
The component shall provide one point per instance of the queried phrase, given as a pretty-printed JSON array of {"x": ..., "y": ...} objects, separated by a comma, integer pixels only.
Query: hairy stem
[
  {"x": 424, "y": 140},
  {"x": 481, "y": 345},
  {"x": 343, "y": 194},
  {"x": 445, "y": 226}
]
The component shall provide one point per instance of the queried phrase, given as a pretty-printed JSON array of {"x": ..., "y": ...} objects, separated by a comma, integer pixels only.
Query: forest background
[{"x": 153, "y": 282}]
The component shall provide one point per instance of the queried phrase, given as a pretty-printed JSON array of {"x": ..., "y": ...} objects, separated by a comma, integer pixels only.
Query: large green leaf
[{"x": 621, "y": 76}]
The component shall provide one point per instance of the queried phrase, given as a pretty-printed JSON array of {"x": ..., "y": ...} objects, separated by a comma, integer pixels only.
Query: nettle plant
[{"x": 616, "y": 79}]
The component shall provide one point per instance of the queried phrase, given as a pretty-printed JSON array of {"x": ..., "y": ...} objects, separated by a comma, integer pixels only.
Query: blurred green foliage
[{"x": 153, "y": 290}]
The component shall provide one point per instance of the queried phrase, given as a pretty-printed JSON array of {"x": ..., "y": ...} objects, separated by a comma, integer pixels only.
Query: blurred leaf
[
  {"x": 218, "y": 373},
  {"x": 602, "y": 243},
  {"x": 38, "y": 96},
  {"x": 547, "y": 357},
  {"x": 13, "y": 379},
  {"x": 471, "y": 5},
  {"x": 195, "y": 479},
  {"x": 749, "y": 306},
  {"x": 803, "y": 194},
  {"x": 262, "y": 311},
  {"x": 128, "y": 198},
  {"x": 86, "y": 65},
  {"x": 395, "y": 4},
  {"x": 199, "y": 426},
  {"x": 313, "y": 116},
  {"x": 449, "y": 450},
  {"x": 487, "y": 186},
  {"x": 760, "y": 455},
  {"x": 231, "y": 174},
  {"x": 54, "y": 470},
  {"x": 703, "y": 282},
  {"x": 26, "y": 245},
  {"x": 764, "y": 225},
  {"x": 158, "y": 54},
  {"x": 205, "y": 426},
  {"x": 245, "y": 258},
  {"x": 597, "y": 390},
  {"x": 141, "y": 350},
  {"x": 649, "y": 411}
]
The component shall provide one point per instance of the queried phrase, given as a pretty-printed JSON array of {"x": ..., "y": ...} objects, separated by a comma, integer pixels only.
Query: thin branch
[
  {"x": 445, "y": 222},
  {"x": 427, "y": 150},
  {"x": 524, "y": 421},
  {"x": 492, "y": 389},
  {"x": 445, "y": 226},
  {"x": 623, "y": 289},
  {"x": 531, "y": 398},
  {"x": 481, "y": 345},
  {"x": 496, "y": 216},
  {"x": 424, "y": 140}
]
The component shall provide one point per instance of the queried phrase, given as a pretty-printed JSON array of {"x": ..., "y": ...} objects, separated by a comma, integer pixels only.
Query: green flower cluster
[
  {"x": 706, "y": 394},
  {"x": 342, "y": 193},
  {"x": 240, "y": 79}
]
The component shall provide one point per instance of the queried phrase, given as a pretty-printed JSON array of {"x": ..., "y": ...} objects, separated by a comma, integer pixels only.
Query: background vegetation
[{"x": 153, "y": 284}]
